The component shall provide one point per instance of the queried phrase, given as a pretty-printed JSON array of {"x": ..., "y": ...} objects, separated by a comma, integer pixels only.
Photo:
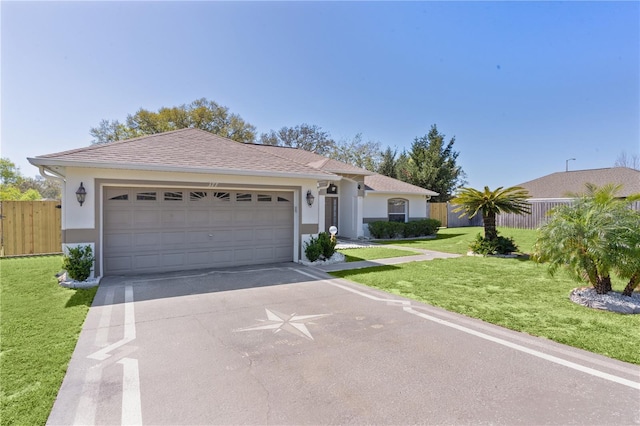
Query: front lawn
[
  {"x": 513, "y": 293},
  {"x": 41, "y": 322},
  {"x": 456, "y": 240},
  {"x": 373, "y": 253}
]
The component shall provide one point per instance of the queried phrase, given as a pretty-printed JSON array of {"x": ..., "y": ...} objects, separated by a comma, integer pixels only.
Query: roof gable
[
  {"x": 563, "y": 184},
  {"x": 314, "y": 160},
  {"x": 384, "y": 184}
]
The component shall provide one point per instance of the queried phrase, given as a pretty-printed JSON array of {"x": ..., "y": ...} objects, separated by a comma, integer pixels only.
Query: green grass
[
  {"x": 513, "y": 293},
  {"x": 456, "y": 240},
  {"x": 41, "y": 322},
  {"x": 373, "y": 253}
]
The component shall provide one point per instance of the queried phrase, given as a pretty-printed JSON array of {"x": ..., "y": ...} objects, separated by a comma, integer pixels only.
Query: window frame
[{"x": 396, "y": 214}]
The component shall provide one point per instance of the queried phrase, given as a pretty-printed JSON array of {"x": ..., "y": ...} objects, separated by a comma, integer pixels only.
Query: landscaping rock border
[
  {"x": 612, "y": 301},
  {"x": 67, "y": 282}
]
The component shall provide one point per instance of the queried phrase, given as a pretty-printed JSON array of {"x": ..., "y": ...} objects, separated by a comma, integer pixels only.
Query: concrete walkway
[{"x": 424, "y": 255}]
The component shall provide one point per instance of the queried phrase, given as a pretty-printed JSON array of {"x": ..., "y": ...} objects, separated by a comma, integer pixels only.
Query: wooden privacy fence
[
  {"x": 538, "y": 216},
  {"x": 444, "y": 213},
  {"x": 30, "y": 227},
  {"x": 539, "y": 209}
]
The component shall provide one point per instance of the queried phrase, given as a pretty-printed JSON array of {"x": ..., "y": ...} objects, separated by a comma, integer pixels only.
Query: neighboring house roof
[
  {"x": 563, "y": 184},
  {"x": 384, "y": 184},
  {"x": 198, "y": 151},
  {"x": 185, "y": 150}
]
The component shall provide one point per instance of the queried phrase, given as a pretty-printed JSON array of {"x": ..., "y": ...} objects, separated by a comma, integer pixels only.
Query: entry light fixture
[
  {"x": 310, "y": 198},
  {"x": 81, "y": 194}
]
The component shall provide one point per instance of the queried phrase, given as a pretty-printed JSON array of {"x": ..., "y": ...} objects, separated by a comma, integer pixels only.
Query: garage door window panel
[
  {"x": 222, "y": 196},
  {"x": 198, "y": 196},
  {"x": 146, "y": 196},
  {"x": 173, "y": 196}
]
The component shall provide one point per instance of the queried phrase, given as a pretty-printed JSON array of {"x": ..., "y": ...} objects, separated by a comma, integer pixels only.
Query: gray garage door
[{"x": 157, "y": 230}]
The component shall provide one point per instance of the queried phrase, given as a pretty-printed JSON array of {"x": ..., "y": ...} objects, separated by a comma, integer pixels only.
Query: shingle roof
[
  {"x": 313, "y": 160},
  {"x": 191, "y": 149},
  {"x": 562, "y": 184},
  {"x": 381, "y": 183},
  {"x": 200, "y": 151}
]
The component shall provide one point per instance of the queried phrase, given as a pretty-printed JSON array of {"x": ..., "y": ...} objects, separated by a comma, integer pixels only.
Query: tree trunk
[
  {"x": 603, "y": 285},
  {"x": 490, "y": 232},
  {"x": 634, "y": 281}
]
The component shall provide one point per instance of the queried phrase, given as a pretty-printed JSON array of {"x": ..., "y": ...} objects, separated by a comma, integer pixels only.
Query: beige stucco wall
[
  {"x": 375, "y": 205},
  {"x": 80, "y": 223}
]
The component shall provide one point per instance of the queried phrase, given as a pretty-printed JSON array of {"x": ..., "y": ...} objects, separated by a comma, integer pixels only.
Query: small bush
[
  {"x": 78, "y": 262},
  {"x": 327, "y": 245},
  {"x": 390, "y": 230},
  {"x": 501, "y": 245},
  {"x": 320, "y": 247}
]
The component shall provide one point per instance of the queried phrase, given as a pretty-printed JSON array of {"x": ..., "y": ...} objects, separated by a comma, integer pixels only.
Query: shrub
[
  {"x": 78, "y": 262},
  {"x": 418, "y": 228},
  {"x": 327, "y": 245},
  {"x": 501, "y": 245},
  {"x": 320, "y": 247}
]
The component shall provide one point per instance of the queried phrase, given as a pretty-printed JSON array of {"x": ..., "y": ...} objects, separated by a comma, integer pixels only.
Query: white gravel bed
[
  {"x": 336, "y": 258},
  {"x": 67, "y": 282},
  {"x": 612, "y": 301}
]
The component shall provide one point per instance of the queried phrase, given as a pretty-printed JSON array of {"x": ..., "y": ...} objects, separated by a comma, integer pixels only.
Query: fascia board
[
  {"x": 162, "y": 168},
  {"x": 431, "y": 194}
]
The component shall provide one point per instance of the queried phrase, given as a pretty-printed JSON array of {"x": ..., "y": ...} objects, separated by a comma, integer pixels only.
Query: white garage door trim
[{"x": 163, "y": 229}]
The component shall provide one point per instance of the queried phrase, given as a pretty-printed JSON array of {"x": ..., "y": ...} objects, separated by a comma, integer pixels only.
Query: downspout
[{"x": 52, "y": 176}]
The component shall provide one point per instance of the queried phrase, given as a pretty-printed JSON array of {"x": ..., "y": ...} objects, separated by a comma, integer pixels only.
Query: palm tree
[
  {"x": 490, "y": 203},
  {"x": 592, "y": 237}
]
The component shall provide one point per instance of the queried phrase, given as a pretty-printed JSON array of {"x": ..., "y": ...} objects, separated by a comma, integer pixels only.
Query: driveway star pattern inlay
[{"x": 294, "y": 324}]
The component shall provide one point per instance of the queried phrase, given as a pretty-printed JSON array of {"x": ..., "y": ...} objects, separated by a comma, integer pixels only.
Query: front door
[{"x": 331, "y": 213}]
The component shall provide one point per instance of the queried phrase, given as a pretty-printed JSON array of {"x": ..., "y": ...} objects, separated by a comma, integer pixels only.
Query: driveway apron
[{"x": 286, "y": 344}]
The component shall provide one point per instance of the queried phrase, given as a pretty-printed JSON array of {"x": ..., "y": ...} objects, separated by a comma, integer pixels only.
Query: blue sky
[{"x": 523, "y": 86}]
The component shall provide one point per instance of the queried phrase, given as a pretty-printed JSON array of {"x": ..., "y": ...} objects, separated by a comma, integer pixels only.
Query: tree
[
  {"x": 624, "y": 160},
  {"x": 303, "y": 136},
  {"x": 9, "y": 173},
  {"x": 594, "y": 236},
  {"x": 432, "y": 165},
  {"x": 387, "y": 164},
  {"x": 199, "y": 114},
  {"x": 490, "y": 203},
  {"x": 47, "y": 188},
  {"x": 365, "y": 155},
  {"x": 14, "y": 186},
  {"x": 110, "y": 131}
]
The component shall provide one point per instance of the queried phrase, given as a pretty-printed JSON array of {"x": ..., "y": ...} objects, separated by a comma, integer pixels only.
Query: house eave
[
  {"x": 426, "y": 194},
  {"x": 45, "y": 162}
]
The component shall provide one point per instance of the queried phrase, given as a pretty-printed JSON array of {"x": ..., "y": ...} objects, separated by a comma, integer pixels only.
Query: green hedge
[{"x": 417, "y": 228}]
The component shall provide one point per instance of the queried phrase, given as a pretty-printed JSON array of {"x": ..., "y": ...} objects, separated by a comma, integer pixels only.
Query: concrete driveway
[{"x": 286, "y": 344}]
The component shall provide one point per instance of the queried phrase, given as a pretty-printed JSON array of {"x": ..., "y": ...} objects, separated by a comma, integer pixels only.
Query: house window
[{"x": 397, "y": 209}]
